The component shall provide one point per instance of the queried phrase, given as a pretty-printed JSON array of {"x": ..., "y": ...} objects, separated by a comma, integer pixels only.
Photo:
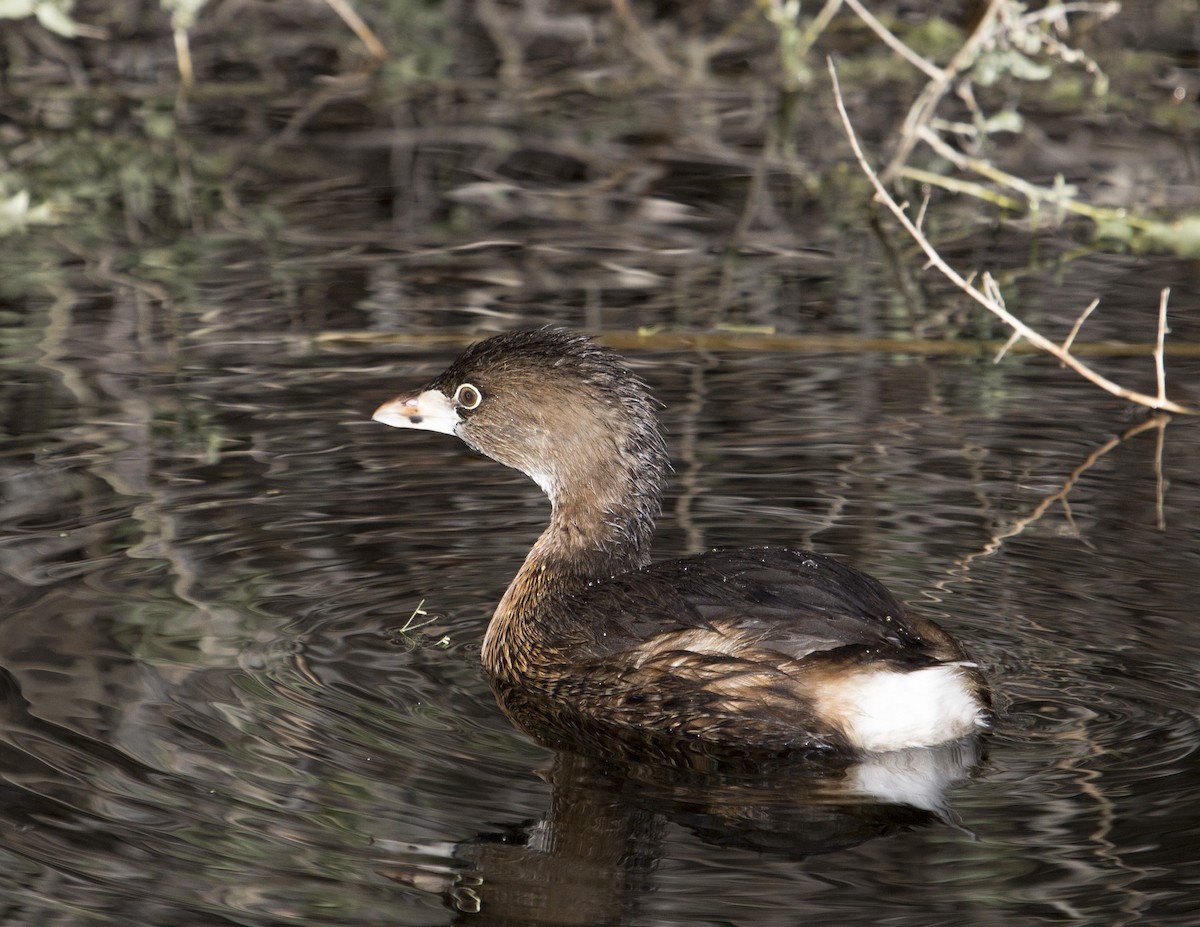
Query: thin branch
[
  {"x": 926, "y": 196},
  {"x": 1058, "y": 12},
  {"x": 818, "y": 25},
  {"x": 498, "y": 24},
  {"x": 183, "y": 58},
  {"x": 642, "y": 43},
  {"x": 1070, "y": 339},
  {"x": 1013, "y": 339},
  {"x": 957, "y": 185},
  {"x": 992, "y": 305}
]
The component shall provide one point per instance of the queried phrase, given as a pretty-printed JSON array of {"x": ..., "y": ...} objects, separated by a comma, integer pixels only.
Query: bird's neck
[{"x": 601, "y": 525}]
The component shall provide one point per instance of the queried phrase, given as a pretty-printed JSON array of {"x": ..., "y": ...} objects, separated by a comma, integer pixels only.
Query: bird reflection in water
[{"x": 591, "y": 859}]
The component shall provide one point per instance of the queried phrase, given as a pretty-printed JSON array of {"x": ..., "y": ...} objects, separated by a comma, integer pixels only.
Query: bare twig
[
  {"x": 818, "y": 25},
  {"x": 716, "y": 339},
  {"x": 1002, "y": 22},
  {"x": 1058, "y": 12},
  {"x": 1070, "y": 339},
  {"x": 956, "y": 185},
  {"x": 1020, "y": 20},
  {"x": 991, "y": 304},
  {"x": 926, "y": 195},
  {"x": 498, "y": 25},
  {"x": 1012, "y": 339}
]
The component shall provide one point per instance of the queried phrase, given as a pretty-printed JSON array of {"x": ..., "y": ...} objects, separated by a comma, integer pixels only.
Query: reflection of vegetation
[
  {"x": 635, "y": 128},
  {"x": 1008, "y": 44},
  {"x": 126, "y": 195}
]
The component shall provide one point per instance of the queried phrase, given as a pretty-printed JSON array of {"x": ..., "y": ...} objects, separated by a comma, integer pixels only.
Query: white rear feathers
[{"x": 883, "y": 709}]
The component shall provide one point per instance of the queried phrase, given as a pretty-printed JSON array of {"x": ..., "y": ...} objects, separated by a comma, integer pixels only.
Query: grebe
[{"x": 766, "y": 648}]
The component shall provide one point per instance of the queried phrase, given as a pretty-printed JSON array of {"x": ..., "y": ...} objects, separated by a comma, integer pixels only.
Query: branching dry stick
[{"x": 991, "y": 304}]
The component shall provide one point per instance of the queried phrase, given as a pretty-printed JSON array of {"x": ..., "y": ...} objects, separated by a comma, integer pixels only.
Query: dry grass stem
[
  {"x": 498, "y": 24},
  {"x": 818, "y": 25},
  {"x": 985, "y": 298},
  {"x": 957, "y": 185},
  {"x": 412, "y": 624},
  {"x": 725, "y": 38},
  {"x": 1002, "y": 21},
  {"x": 926, "y": 195},
  {"x": 1058, "y": 13},
  {"x": 729, "y": 339},
  {"x": 643, "y": 44}
]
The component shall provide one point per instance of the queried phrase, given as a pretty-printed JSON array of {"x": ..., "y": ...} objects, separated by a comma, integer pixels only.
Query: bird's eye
[{"x": 467, "y": 396}]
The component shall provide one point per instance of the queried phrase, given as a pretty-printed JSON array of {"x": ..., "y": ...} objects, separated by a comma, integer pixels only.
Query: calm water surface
[{"x": 239, "y": 650}]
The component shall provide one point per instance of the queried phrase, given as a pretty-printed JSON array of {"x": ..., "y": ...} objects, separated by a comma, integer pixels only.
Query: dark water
[
  {"x": 238, "y": 654},
  {"x": 239, "y": 622}
]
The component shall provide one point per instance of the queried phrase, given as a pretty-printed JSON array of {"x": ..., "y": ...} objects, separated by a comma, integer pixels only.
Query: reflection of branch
[
  {"x": 1158, "y": 421},
  {"x": 989, "y": 296},
  {"x": 689, "y": 475}
]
